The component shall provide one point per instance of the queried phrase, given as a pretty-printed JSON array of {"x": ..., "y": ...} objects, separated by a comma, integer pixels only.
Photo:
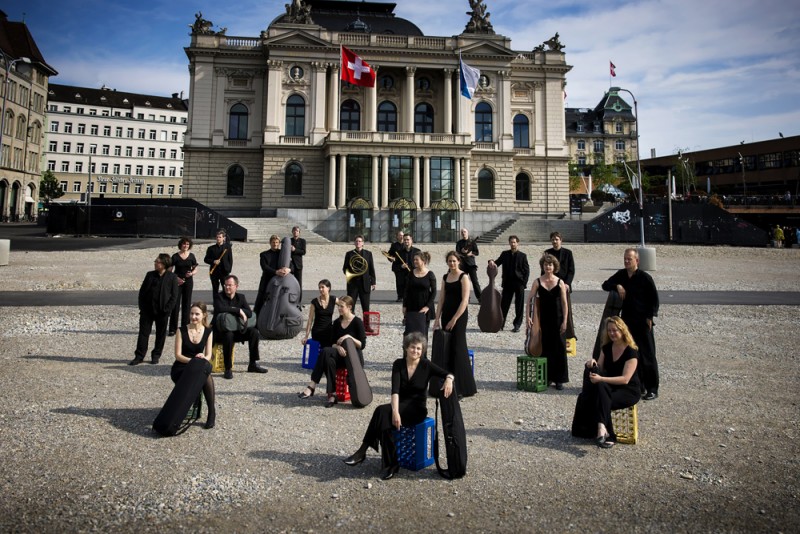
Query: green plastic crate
[{"x": 531, "y": 373}]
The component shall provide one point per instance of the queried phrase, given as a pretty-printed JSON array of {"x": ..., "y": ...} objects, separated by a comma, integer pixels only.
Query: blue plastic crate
[
  {"x": 415, "y": 445},
  {"x": 472, "y": 360},
  {"x": 310, "y": 354}
]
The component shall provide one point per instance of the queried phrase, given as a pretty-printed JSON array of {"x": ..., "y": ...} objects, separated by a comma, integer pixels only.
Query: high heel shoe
[
  {"x": 331, "y": 401},
  {"x": 603, "y": 443},
  {"x": 211, "y": 420},
  {"x": 390, "y": 472},
  {"x": 356, "y": 458},
  {"x": 302, "y": 394}
]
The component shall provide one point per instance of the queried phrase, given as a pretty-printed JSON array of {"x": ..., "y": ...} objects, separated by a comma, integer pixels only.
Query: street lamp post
[
  {"x": 647, "y": 256},
  {"x": 9, "y": 64}
]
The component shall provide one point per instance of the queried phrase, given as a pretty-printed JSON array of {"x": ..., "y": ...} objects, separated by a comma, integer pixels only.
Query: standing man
[
  {"x": 407, "y": 255},
  {"x": 270, "y": 268},
  {"x": 360, "y": 286},
  {"x": 229, "y": 301},
  {"x": 219, "y": 257},
  {"x": 639, "y": 306},
  {"x": 400, "y": 274},
  {"x": 298, "y": 251},
  {"x": 515, "y": 278},
  {"x": 157, "y": 298},
  {"x": 566, "y": 272},
  {"x": 468, "y": 250}
]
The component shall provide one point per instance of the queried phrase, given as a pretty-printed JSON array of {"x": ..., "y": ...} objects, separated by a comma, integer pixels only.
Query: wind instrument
[
  {"x": 358, "y": 266},
  {"x": 217, "y": 264},
  {"x": 387, "y": 255},
  {"x": 405, "y": 265}
]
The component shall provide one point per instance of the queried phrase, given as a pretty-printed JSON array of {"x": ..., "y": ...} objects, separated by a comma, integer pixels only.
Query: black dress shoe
[
  {"x": 515, "y": 329},
  {"x": 302, "y": 394},
  {"x": 602, "y": 443},
  {"x": 559, "y": 386},
  {"x": 136, "y": 361},
  {"x": 171, "y": 333},
  {"x": 154, "y": 361},
  {"x": 228, "y": 374},
  {"x": 390, "y": 472},
  {"x": 211, "y": 420},
  {"x": 254, "y": 368},
  {"x": 331, "y": 401},
  {"x": 650, "y": 395},
  {"x": 356, "y": 458}
]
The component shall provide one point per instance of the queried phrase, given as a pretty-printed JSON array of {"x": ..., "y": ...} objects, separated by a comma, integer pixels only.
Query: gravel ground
[{"x": 718, "y": 450}]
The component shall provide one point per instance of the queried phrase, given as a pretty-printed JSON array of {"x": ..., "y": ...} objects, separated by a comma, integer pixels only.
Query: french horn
[{"x": 357, "y": 267}]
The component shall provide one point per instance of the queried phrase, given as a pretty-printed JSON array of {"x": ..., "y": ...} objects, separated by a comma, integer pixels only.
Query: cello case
[
  {"x": 360, "y": 391},
  {"x": 281, "y": 316},
  {"x": 613, "y": 307},
  {"x": 490, "y": 314}
]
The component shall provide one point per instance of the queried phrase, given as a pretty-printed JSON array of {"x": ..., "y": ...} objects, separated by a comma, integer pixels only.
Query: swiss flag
[
  {"x": 612, "y": 69},
  {"x": 355, "y": 70}
]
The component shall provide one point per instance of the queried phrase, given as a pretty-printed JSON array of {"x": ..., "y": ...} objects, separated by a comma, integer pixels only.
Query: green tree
[{"x": 49, "y": 188}]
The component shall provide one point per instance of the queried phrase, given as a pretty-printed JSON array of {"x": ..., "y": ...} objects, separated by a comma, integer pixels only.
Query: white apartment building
[{"x": 115, "y": 144}]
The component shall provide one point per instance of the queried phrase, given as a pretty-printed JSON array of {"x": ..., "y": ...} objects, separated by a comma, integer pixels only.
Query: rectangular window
[
  {"x": 172, "y": 119},
  {"x": 172, "y": 171},
  {"x": 127, "y": 170},
  {"x": 66, "y": 147},
  {"x": 401, "y": 177},
  {"x": 63, "y": 185},
  {"x": 141, "y": 133},
  {"x": 161, "y": 171},
  {"x": 118, "y": 131},
  {"x": 92, "y": 112},
  {"x": 76, "y": 187},
  {"x": 67, "y": 127},
  {"x": 93, "y": 129},
  {"x": 163, "y": 135},
  {"x": 78, "y": 166},
  {"x": 151, "y": 117},
  {"x": 54, "y": 126},
  {"x": 117, "y": 150},
  {"x": 115, "y": 187},
  {"x": 770, "y": 161},
  {"x": 106, "y": 150},
  {"x": 79, "y": 111},
  {"x": 92, "y": 149},
  {"x": 139, "y": 170},
  {"x": 138, "y": 189},
  {"x": 53, "y": 146},
  {"x": 107, "y": 131},
  {"x": 103, "y": 187},
  {"x": 140, "y": 151},
  {"x": 442, "y": 184},
  {"x": 51, "y": 165},
  {"x": 152, "y": 135},
  {"x": 128, "y": 151},
  {"x": 162, "y": 153},
  {"x": 106, "y": 113},
  {"x": 116, "y": 168},
  {"x": 67, "y": 109},
  {"x": 598, "y": 145},
  {"x": 81, "y": 129},
  {"x": 79, "y": 148},
  {"x": 180, "y": 189},
  {"x": 126, "y": 188},
  {"x": 129, "y": 133},
  {"x": 160, "y": 189},
  {"x": 618, "y": 127},
  {"x": 150, "y": 170},
  {"x": 149, "y": 189},
  {"x": 171, "y": 190},
  {"x": 140, "y": 116},
  {"x": 619, "y": 144},
  {"x": 173, "y": 154},
  {"x": 104, "y": 168},
  {"x": 151, "y": 152},
  {"x": 174, "y": 136},
  {"x": 65, "y": 166}
]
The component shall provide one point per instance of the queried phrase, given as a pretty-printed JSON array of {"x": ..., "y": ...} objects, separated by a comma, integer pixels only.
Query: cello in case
[
  {"x": 360, "y": 390},
  {"x": 490, "y": 314},
  {"x": 281, "y": 316}
]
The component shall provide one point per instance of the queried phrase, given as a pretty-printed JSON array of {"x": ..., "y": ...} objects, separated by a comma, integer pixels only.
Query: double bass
[
  {"x": 490, "y": 314},
  {"x": 281, "y": 315}
]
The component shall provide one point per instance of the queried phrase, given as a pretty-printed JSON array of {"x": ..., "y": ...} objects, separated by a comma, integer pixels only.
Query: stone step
[{"x": 259, "y": 229}]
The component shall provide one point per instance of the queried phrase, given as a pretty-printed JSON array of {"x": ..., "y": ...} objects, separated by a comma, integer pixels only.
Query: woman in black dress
[
  {"x": 453, "y": 315},
  {"x": 420, "y": 295},
  {"x": 347, "y": 325},
  {"x": 184, "y": 265},
  {"x": 195, "y": 341},
  {"x": 410, "y": 377},
  {"x": 320, "y": 316},
  {"x": 548, "y": 300},
  {"x": 611, "y": 382}
]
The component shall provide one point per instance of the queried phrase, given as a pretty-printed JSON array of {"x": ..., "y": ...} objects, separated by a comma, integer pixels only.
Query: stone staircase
[
  {"x": 494, "y": 233},
  {"x": 259, "y": 229},
  {"x": 534, "y": 230}
]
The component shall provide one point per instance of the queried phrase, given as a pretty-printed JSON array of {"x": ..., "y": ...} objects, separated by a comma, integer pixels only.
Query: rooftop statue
[
  {"x": 298, "y": 12},
  {"x": 201, "y": 25},
  {"x": 479, "y": 18},
  {"x": 554, "y": 44}
]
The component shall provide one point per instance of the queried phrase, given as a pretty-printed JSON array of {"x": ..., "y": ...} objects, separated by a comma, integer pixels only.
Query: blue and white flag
[{"x": 469, "y": 78}]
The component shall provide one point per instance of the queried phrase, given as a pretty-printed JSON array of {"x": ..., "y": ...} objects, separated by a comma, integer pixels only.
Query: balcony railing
[
  {"x": 293, "y": 140},
  {"x": 399, "y": 137},
  {"x": 485, "y": 146}
]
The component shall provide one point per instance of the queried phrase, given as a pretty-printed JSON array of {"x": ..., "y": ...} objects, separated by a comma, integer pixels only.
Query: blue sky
[{"x": 705, "y": 73}]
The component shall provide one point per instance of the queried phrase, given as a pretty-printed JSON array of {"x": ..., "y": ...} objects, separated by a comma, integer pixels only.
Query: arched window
[
  {"x": 9, "y": 124},
  {"x": 293, "y": 180},
  {"x": 235, "y": 181},
  {"x": 295, "y": 116},
  {"x": 521, "y": 135},
  {"x": 423, "y": 118},
  {"x": 237, "y": 125},
  {"x": 486, "y": 184},
  {"x": 350, "y": 116},
  {"x": 523, "y": 187},
  {"x": 483, "y": 123},
  {"x": 22, "y": 128},
  {"x": 387, "y": 117}
]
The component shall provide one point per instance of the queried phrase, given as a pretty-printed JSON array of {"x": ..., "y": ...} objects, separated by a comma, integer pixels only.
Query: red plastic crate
[
  {"x": 372, "y": 323},
  {"x": 342, "y": 389}
]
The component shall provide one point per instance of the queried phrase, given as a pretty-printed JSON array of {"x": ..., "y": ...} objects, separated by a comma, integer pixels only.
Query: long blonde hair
[
  {"x": 627, "y": 338},
  {"x": 203, "y": 308}
]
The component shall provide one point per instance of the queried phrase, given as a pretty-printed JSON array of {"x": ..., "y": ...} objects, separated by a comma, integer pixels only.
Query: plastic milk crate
[
  {"x": 310, "y": 354},
  {"x": 626, "y": 425},
  {"x": 472, "y": 360},
  {"x": 415, "y": 445},
  {"x": 531, "y": 373},
  {"x": 342, "y": 389},
  {"x": 218, "y": 358},
  {"x": 195, "y": 411},
  {"x": 372, "y": 323}
]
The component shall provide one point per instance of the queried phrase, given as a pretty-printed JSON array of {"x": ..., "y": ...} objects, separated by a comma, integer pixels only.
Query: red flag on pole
[
  {"x": 612, "y": 69},
  {"x": 355, "y": 70}
]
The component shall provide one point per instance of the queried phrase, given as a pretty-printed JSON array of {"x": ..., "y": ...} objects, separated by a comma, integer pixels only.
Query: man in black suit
[
  {"x": 229, "y": 301},
  {"x": 515, "y": 278},
  {"x": 468, "y": 250},
  {"x": 219, "y": 257},
  {"x": 566, "y": 272},
  {"x": 400, "y": 274},
  {"x": 407, "y": 255},
  {"x": 157, "y": 297},
  {"x": 298, "y": 251},
  {"x": 360, "y": 286}
]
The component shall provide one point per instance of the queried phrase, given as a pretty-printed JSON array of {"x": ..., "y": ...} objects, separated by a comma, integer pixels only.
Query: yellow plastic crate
[
  {"x": 218, "y": 358},
  {"x": 626, "y": 425},
  {"x": 572, "y": 346}
]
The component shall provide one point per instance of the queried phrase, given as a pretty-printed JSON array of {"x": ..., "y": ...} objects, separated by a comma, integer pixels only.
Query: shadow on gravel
[
  {"x": 326, "y": 467},
  {"x": 105, "y": 332},
  {"x": 557, "y": 440},
  {"x": 69, "y": 359},
  {"x": 138, "y": 421}
]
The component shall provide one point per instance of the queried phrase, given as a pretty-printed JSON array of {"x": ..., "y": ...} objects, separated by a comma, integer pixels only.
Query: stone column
[
  {"x": 385, "y": 183},
  {"x": 333, "y": 101},
  {"x": 371, "y": 111},
  {"x": 448, "y": 101},
  {"x": 375, "y": 180},
  {"x": 426, "y": 183},
  {"x": 408, "y": 112},
  {"x": 457, "y": 183},
  {"x": 272, "y": 128},
  {"x": 342, "y": 202},
  {"x": 332, "y": 182},
  {"x": 506, "y": 133},
  {"x": 467, "y": 186},
  {"x": 416, "y": 180},
  {"x": 318, "y": 102},
  {"x": 538, "y": 118}
]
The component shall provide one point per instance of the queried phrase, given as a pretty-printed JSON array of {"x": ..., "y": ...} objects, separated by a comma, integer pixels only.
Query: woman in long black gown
[
  {"x": 195, "y": 341},
  {"x": 420, "y": 295},
  {"x": 320, "y": 316},
  {"x": 548, "y": 299},
  {"x": 452, "y": 315},
  {"x": 184, "y": 265},
  {"x": 347, "y": 325},
  {"x": 410, "y": 377}
]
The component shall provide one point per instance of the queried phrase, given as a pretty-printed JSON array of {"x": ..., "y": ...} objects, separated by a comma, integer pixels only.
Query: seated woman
[
  {"x": 194, "y": 341},
  {"x": 611, "y": 382},
  {"x": 420, "y": 295},
  {"x": 320, "y": 316},
  {"x": 410, "y": 376},
  {"x": 331, "y": 358}
]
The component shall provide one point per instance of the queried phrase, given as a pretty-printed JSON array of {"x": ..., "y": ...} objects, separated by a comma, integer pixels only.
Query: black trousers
[
  {"x": 328, "y": 362},
  {"x": 355, "y": 292},
  {"x": 216, "y": 283},
  {"x": 516, "y": 292},
  {"x": 183, "y": 306},
  {"x": 400, "y": 278},
  {"x": 146, "y": 321},
  {"x": 648, "y": 365},
  {"x": 227, "y": 339},
  {"x": 472, "y": 271},
  {"x": 603, "y": 398}
]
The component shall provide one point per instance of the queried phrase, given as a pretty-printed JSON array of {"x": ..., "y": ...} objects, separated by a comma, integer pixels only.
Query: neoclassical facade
[
  {"x": 273, "y": 129},
  {"x": 605, "y": 134},
  {"x": 24, "y": 77}
]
